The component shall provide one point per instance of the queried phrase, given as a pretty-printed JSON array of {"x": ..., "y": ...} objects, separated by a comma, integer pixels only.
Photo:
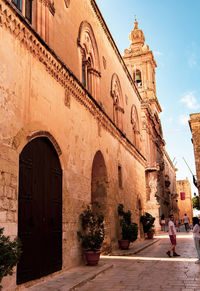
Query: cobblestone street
[
  {"x": 152, "y": 270},
  {"x": 148, "y": 270}
]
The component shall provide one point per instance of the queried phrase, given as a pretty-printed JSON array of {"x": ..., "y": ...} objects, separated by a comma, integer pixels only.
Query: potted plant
[
  {"x": 92, "y": 233},
  {"x": 147, "y": 221},
  {"x": 129, "y": 229},
  {"x": 10, "y": 252}
]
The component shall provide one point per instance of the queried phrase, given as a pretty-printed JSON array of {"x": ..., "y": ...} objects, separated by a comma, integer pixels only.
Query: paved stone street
[
  {"x": 152, "y": 270},
  {"x": 148, "y": 269}
]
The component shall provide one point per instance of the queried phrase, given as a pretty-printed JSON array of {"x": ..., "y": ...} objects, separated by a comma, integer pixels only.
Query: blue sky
[{"x": 172, "y": 31}]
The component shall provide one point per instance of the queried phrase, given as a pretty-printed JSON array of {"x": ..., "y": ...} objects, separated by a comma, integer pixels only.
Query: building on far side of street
[
  {"x": 184, "y": 198},
  {"x": 170, "y": 204},
  {"x": 194, "y": 123}
]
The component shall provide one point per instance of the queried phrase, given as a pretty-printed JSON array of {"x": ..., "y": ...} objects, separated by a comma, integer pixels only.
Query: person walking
[
  {"x": 196, "y": 236},
  {"x": 177, "y": 224},
  {"x": 172, "y": 236},
  {"x": 186, "y": 222}
]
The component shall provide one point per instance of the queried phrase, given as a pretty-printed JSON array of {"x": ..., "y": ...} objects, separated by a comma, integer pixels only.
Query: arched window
[
  {"x": 137, "y": 77},
  {"x": 90, "y": 69},
  {"x": 135, "y": 126},
  {"x": 118, "y": 106}
]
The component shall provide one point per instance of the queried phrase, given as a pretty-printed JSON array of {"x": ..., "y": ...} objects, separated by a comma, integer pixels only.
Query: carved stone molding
[
  {"x": 67, "y": 3},
  {"x": 67, "y": 98},
  {"x": 49, "y": 4},
  {"x": 104, "y": 63},
  {"x": 10, "y": 21},
  {"x": 41, "y": 133}
]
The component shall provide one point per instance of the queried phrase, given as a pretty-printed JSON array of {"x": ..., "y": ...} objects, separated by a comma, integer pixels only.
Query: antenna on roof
[
  {"x": 188, "y": 167},
  {"x": 193, "y": 176}
]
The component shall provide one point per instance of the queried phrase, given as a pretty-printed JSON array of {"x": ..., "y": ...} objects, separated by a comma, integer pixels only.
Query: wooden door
[{"x": 40, "y": 211}]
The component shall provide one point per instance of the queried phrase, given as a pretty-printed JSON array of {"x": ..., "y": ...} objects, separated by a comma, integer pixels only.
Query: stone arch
[
  {"x": 135, "y": 126},
  {"x": 99, "y": 194},
  {"x": 89, "y": 59},
  {"x": 137, "y": 77},
  {"x": 99, "y": 181},
  {"x": 47, "y": 134},
  {"x": 30, "y": 132},
  {"x": 118, "y": 103}
]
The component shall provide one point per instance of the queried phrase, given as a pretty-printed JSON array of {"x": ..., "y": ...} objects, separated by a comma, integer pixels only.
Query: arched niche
[
  {"x": 135, "y": 126},
  {"x": 99, "y": 181},
  {"x": 118, "y": 104}
]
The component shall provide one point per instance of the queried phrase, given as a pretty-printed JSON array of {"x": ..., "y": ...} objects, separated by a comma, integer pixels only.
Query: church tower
[{"x": 141, "y": 64}]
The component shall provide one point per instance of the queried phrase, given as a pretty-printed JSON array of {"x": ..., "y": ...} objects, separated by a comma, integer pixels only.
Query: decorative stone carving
[
  {"x": 49, "y": 4},
  {"x": 67, "y": 3},
  {"x": 153, "y": 187},
  {"x": 67, "y": 98},
  {"x": 126, "y": 99},
  {"x": 47, "y": 134},
  {"x": 104, "y": 63}
]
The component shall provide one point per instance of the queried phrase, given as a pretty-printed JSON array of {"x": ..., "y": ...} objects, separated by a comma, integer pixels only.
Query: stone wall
[
  {"x": 41, "y": 97},
  {"x": 194, "y": 123}
]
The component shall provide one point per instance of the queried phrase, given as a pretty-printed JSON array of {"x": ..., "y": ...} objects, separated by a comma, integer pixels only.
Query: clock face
[{"x": 67, "y": 3}]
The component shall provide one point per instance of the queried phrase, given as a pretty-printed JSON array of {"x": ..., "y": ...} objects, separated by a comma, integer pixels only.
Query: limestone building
[
  {"x": 194, "y": 123},
  {"x": 141, "y": 64},
  {"x": 75, "y": 127},
  {"x": 184, "y": 198},
  {"x": 170, "y": 203}
]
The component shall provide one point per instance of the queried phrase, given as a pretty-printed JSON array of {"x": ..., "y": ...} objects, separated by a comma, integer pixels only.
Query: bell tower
[{"x": 141, "y": 65}]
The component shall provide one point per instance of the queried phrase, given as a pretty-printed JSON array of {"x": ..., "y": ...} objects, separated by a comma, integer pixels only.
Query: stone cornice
[
  {"x": 112, "y": 42},
  {"x": 149, "y": 57},
  {"x": 24, "y": 33},
  {"x": 169, "y": 160},
  {"x": 159, "y": 141}
]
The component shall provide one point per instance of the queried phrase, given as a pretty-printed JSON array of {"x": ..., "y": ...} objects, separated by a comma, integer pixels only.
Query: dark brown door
[{"x": 40, "y": 211}]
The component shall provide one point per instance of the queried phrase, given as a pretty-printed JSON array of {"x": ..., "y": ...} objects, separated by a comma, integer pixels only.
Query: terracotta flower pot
[
  {"x": 92, "y": 257},
  {"x": 123, "y": 244},
  {"x": 150, "y": 235}
]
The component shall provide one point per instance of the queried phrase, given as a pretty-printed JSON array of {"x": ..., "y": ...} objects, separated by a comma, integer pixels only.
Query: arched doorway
[
  {"x": 40, "y": 210},
  {"x": 99, "y": 180}
]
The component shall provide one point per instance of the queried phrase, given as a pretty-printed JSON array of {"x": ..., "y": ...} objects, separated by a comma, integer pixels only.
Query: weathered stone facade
[
  {"x": 184, "y": 198},
  {"x": 194, "y": 123},
  {"x": 170, "y": 204},
  {"x": 141, "y": 64},
  {"x": 64, "y": 84}
]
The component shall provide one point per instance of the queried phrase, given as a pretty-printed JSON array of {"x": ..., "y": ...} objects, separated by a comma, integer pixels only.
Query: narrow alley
[{"x": 148, "y": 270}]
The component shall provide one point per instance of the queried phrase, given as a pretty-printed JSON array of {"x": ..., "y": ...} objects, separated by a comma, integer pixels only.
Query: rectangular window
[
  {"x": 18, "y": 4},
  {"x": 120, "y": 176},
  {"x": 28, "y": 10},
  {"x": 182, "y": 194}
]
